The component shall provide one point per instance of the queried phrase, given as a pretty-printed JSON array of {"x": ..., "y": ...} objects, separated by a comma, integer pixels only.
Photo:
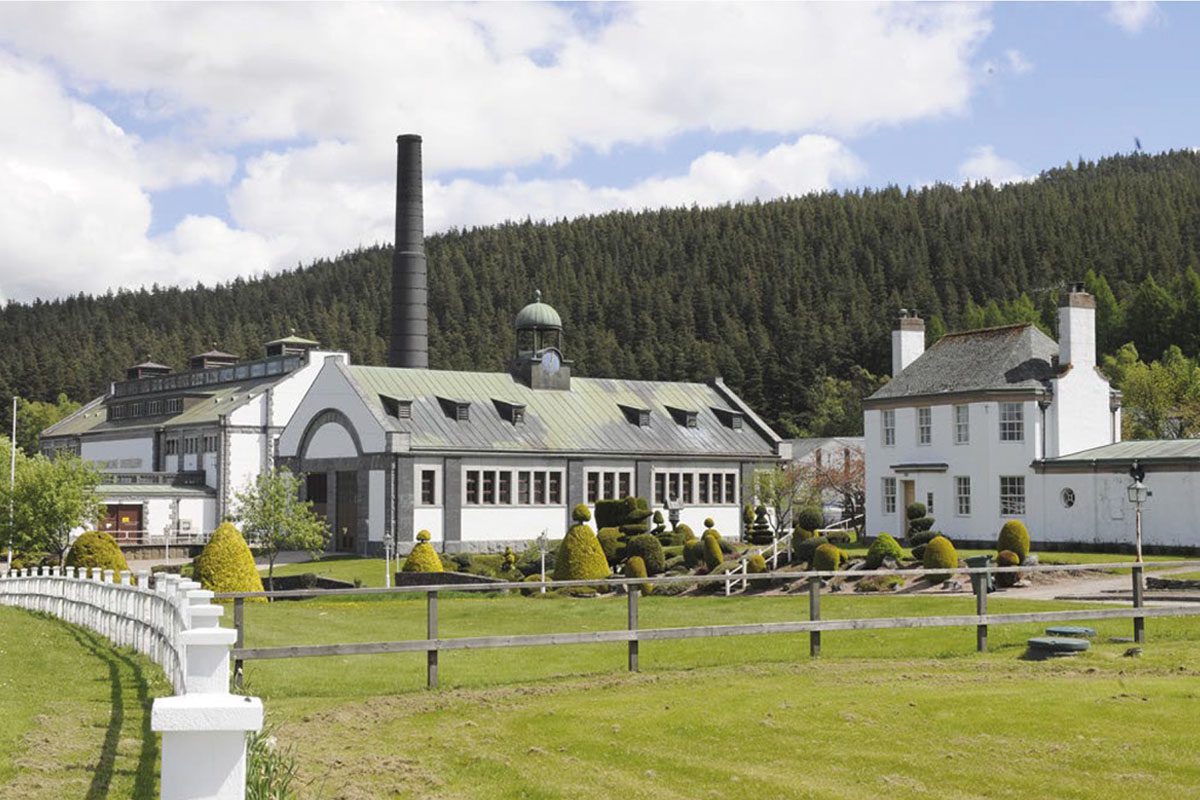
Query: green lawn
[
  {"x": 370, "y": 571},
  {"x": 76, "y": 713},
  {"x": 881, "y": 714}
]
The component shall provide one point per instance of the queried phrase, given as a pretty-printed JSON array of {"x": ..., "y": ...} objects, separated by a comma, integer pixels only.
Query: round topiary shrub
[
  {"x": 939, "y": 554},
  {"x": 1014, "y": 537},
  {"x": 810, "y": 518},
  {"x": 1007, "y": 558},
  {"x": 646, "y": 547},
  {"x": 922, "y": 537},
  {"x": 756, "y": 564},
  {"x": 535, "y": 578},
  {"x": 918, "y": 526},
  {"x": 803, "y": 549},
  {"x": 635, "y": 567},
  {"x": 708, "y": 523},
  {"x": 827, "y": 558},
  {"x": 915, "y": 510},
  {"x": 613, "y": 544},
  {"x": 98, "y": 549},
  {"x": 422, "y": 558},
  {"x": 712, "y": 550},
  {"x": 581, "y": 513},
  {"x": 226, "y": 564},
  {"x": 580, "y": 556},
  {"x": 693, "y": 553},
  {"x": 885, "y": 546},
  {"x": 685, "y": 530}
]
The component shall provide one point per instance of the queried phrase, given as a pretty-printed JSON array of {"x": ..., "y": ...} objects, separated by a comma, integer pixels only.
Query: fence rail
[{"x": 632, "y": 635}]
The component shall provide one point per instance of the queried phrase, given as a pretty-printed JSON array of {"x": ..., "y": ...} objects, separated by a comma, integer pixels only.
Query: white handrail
[{"x": 781, "y": 544}]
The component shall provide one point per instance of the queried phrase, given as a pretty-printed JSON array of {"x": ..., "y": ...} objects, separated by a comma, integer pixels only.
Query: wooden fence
[{"x": 632, "y": 635}]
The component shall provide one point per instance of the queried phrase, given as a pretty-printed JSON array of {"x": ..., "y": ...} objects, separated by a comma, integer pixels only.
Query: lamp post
[
  {"x": 543, "y": 544},
  {"x": 1137, "y": 493},
  {"x": 673, "y": 511}
]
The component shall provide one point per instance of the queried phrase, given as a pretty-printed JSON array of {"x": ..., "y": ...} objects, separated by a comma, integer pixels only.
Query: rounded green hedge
[
  {"x": 803, "y": 549},
  {"x": 915, "y": 510},
  {"x": 810, "y": 518},
  {"x": 827, "y": 558},
  {"x": 226, "y": 563},
  {"x": 1007, "y": 558},
  {"x": 647, "y": 547},
  {"x": 712, "y": 550},
  {"x": 580, "y": 556},
  {"x": 885, "y": 546},
  {"x": 612, "y": 543},
  {"x": 693, "y": 553},
  {"x": 756, "y": 564},
  {"x": 581, "y": 513},
  {"x": 635, "y": 567},
  {"x": 939, "y": 554},
  {"x": 1014, "y": 537},
  {"x": 98, "y": 549}
]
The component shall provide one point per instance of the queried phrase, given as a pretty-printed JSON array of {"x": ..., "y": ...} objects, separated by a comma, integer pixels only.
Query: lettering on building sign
[{"x": 121, "y": 463}]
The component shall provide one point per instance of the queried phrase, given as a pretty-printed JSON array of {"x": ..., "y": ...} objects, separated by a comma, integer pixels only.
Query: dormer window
[
  {"x": 734, "y": 420},
  {"x": 458, "y": 410},
  {"x": 636, "y": 416},
  {"x": 510, "y": 412},
  {"x": 684, "y": 417},
  {"x": 396, "y": 408}
]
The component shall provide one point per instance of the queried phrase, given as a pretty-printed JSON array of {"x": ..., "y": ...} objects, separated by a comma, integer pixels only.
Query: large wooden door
[
  {"x": 346, "y": 511},
  {"x": 123, "y": 522}
]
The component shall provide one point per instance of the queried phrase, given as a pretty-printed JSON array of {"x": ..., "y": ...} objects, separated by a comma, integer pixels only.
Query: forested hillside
[{"x": 773, "y": 296}]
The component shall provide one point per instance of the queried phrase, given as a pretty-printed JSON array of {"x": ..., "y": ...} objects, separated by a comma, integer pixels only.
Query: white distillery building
[
  {"x": 966, "y": 426},
  {"x": 173, "y": 448},
  {"x": 484, "y": 460}
]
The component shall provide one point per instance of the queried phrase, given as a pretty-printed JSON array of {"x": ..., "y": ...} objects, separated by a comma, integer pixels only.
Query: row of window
[
  {"x": 506, "y": 486},
  {"x": 190, "y": 445},
  {"x": 1012, "y": 424},
  {"x": 208, "y": 377},
  {"x": 512, "y": 487},
  {"x": 696, "y": 487},
  {"x": 145, "y": 408},
  {"x": 607, "y": 484},
  {"x": 1012, "y": 496}
]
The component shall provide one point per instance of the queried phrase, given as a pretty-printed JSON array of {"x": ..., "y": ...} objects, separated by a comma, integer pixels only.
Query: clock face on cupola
[
  {"x": 551, "y": 362},
  {"x": 538, "y": 361}
]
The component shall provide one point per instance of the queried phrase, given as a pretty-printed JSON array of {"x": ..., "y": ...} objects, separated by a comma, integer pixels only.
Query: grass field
[
  {"x": 882, "y": 713},
  {"x": 76, "y": 715}
]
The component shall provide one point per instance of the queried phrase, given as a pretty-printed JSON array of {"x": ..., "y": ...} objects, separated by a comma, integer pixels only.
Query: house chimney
[
  {"x": 410, "y": 312},
  {"x": 1077, "y": 328},
  {"x": 908, "y": 340}
]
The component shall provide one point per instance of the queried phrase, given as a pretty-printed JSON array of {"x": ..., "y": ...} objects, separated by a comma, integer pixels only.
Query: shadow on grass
[{"x": 118, "y": 663}]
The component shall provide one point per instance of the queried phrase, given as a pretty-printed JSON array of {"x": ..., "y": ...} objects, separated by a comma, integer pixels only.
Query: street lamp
[
  {"x": 673, "y": 511},
  {"x": 543, "y": 544},
  {"x": 1138, "y": 493}
]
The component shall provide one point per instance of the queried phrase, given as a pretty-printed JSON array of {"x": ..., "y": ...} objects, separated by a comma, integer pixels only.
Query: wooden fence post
[
  {"x": 981, "y": 592},
  {"x": 634, "y": 591},
  {"x": 814, "y": 613},
  {"x": 431, "y": 633},
  {"x": 239, "y": 623},
  {"x": 1139, "y": 623}
]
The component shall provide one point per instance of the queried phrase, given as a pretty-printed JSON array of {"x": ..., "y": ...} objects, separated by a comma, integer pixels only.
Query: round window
[{"x": 1068, "y": 497}]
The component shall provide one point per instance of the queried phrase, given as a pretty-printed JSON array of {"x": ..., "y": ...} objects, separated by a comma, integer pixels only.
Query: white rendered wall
[
  {"x": 331, "y": 389},
  {"x": 1102, "y": 513},
  {"x": 331, "y": 440},
  {"x": 135, "y": 454},
  {"x": 728, "y": 519},
  {"x": 245, "y": 461},
  {"x": 906, "y": 347},
  {"x": 1080, "y": 415},
  {"x": 429, "y": 518},
  {"x": 376, "y": 482},
  {"x": 483, "y": 524}
]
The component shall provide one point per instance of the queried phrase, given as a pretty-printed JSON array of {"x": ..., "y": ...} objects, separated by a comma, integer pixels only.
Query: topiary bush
[
  {"x": 840, "y": 537},
  {"x": 922, "y": 537},
  {"x": 885, "y": 546},
  {"x": 756, "y": 564},
  {"x": 1007, "y": 558},
  {"x": 761, "y": 531},
  {"x": 635, "y": 567},
  {"x": 915, "y": 511},
  {"x": 580, "y": 556},
  {"x": 810, "y": 518},
  {"x": 919, "y": 525},
  {"x": 581, "y": 513},
  {"x": 827, "y": 558},
  {"x": 685, "y": 530},
  {"x": 423, "y": 558},
  {"x": 637, "y": 516},
  {"x": 646, "y": 547},
  {"x": 693, "y": 553},
  {"x": 803, "y": 549},
  {"x": 99, "y": 549},
  {"x": 712, "y": 550},
  {"x": 1014, "y": 537},
  {"x": 226, "y": 564},
  {"x": 939, "y": 554},
  {"x": 609, "y": 513},
  {"x": 613, "y": 545}
]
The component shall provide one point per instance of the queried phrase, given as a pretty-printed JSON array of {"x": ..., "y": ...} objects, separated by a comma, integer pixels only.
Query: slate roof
[
  {"x": 1008, "y": 358},
  {"x": 588, "y": 418}
]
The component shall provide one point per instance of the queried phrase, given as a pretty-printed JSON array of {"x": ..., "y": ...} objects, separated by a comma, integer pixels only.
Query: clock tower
[{"x": 539, "y": 361}]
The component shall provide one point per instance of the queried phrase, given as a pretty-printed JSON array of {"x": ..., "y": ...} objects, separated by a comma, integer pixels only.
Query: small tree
[
  {"x": 50, "y": 498},
  {"x": 847, "y": 478},
  {"x": 275, "y": 518},
  {"x": 781, "y": 491}
]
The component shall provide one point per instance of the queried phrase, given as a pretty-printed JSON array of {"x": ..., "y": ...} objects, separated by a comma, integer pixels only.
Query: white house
[
  {"x": 963, "y": 426},
  {"x": 175, "y": 447},
  {"x": 483, "y": 459}
]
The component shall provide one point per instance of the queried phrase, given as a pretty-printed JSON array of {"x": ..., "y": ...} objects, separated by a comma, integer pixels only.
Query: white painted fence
[{"x": 176, "y": 625}]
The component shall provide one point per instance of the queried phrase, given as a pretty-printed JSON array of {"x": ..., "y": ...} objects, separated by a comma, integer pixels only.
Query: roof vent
[
  {"x": 510, "y": 412},
  {"x": 684, "y": 417},
  {"x": 458, "y": 410},
  {"x": 636, "y": 416},
  {"x": 730, "y": 418},
  {"x": 396, "y": 408}
]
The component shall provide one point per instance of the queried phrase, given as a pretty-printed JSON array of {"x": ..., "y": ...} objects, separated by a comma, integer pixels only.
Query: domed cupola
[{"x": 539, "y": 361}]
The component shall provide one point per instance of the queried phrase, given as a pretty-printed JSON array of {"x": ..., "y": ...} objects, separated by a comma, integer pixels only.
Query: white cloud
[
  {"x": 321, "y": 90},
  {"x": 1133, "y": 16},
  {"x": 1017, "y": 62},
  {"x": 984, "y": 165}
]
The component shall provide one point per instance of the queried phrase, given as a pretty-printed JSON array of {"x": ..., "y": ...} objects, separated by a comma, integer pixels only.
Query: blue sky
[{"x": 254, "y": 137}]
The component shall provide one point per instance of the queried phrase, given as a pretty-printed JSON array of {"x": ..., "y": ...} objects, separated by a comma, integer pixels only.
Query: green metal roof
[
  {"x": 296, "y": 340},
  {"x": 1145, "y": 450},
  {"x": 538, "y": 315},
  {"x": 587, "y": 418}
]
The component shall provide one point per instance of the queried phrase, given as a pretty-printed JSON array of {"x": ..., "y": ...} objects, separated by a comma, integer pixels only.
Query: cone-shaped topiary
[
  {"x": 884, "y": 546},
  {"x": 580, "y": 556},
  {"x": 1007, "y": 558},
  {"x": 760, "y": 531},
  {"x": 646, "y": 547},
  {"x": 1014, "y": 537},
  {"x": 97, "y": 549},
  {"x": 939, "y": 554},
  {"x": 226, "y": 564},
  {"x": 756, "y": 564},
  {"x": 581, "y": 513},
  {"x": 693, "y": 553},
  {"x": 712, "y": 550},
  {"x": 810, "y": 518},
  {"x": 803, "y": 549},
  {"x": 613, "y": 545},
  {"x": 422, "y": 558},
  {"x": 635, "y": 567},
  {"x": 827, "y": 558}
]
